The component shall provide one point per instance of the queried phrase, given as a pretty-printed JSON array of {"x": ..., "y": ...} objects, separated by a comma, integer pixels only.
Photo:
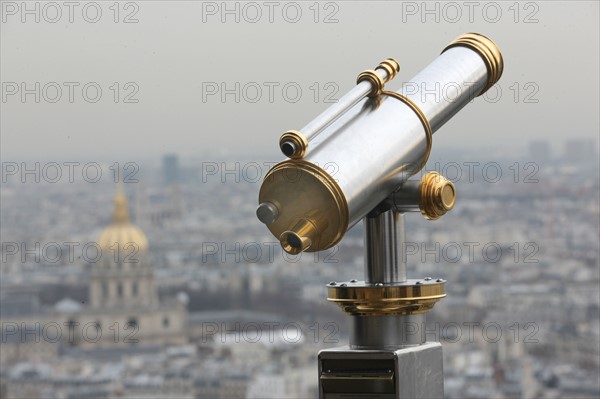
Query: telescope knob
[{"x": 437, "y": 195}]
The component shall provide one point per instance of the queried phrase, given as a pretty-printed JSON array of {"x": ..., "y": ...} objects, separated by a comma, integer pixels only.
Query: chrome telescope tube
[{"x": 377, "y": 144}]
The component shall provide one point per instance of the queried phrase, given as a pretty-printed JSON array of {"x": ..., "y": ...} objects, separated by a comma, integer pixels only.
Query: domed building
[
  {"x": 122, "y": 292},
  {"x": 123, "y": 277}
]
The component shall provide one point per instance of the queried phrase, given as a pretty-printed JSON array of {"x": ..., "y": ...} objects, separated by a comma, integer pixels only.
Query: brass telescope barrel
[{"x": 374, "y": 146}]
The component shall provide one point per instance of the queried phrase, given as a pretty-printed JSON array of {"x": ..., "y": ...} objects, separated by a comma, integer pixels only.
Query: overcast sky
[{"x": 177, "y": 54}]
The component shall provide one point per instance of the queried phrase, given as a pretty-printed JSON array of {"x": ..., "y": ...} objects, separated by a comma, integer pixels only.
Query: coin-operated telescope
[{"x": 354, "y": 162}]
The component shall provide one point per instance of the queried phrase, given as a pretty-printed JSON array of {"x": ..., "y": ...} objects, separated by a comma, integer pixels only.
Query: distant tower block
[
  {"x": 539, "y": 150},
  {"x": 170, "y": 168},
  {"x": 580, "y": 150}
]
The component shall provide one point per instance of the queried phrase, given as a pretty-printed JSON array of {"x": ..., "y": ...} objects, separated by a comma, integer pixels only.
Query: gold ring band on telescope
[
  {"x": 487, "y": 49},
  {"x": 391, "y": 66},
  {"x": 375, "y": 80},
  {"x": 424, "y": 122}
]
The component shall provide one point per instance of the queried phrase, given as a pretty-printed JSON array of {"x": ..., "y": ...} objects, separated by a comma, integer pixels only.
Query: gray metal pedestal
[{"x": 410, "y": 372}]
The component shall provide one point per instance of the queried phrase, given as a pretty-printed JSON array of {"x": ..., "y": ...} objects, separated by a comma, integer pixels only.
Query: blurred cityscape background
[{"x": 204, "y": 304}]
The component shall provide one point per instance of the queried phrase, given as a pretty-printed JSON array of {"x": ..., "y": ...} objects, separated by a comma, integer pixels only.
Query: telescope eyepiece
[
  {"x": 300, "y": 237},
  {"x": 293, "y": 144},
  {"x": 293, "y": 244},
  {"x": 288, "y": 148}
]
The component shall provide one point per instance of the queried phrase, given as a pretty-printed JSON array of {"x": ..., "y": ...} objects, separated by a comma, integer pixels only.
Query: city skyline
[{"x": 538, "y": 294}]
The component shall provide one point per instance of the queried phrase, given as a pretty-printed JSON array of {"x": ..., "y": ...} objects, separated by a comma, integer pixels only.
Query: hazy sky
[{"x": 179, "y": 52}]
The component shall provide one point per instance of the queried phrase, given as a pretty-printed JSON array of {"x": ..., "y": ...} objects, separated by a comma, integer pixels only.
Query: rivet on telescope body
[{"x": 267, "y": 212}]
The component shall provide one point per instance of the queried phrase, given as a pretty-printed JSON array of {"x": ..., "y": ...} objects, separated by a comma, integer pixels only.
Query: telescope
[{"x": 354, "y": 162}]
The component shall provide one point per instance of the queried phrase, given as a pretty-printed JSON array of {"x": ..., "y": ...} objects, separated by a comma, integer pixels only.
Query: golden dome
[{"x": 121, "y": 231}]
